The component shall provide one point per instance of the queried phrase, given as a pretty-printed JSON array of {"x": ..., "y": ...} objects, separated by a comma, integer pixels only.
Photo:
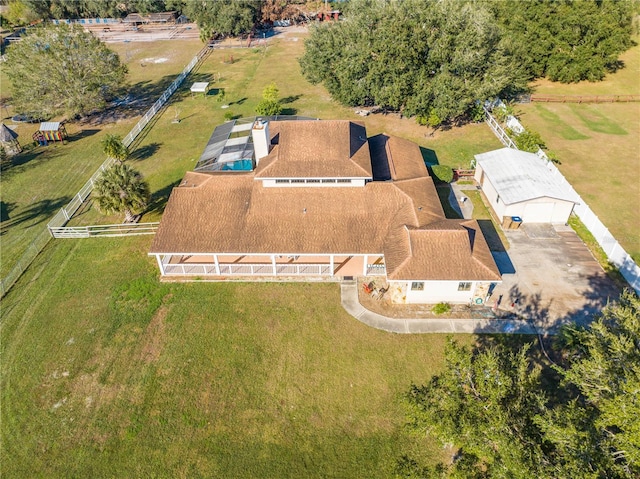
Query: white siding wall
[
  {"x": 541, "y": 210},
  {"x": 492, "y": 195},
  {"x": 439, "y": 291}
]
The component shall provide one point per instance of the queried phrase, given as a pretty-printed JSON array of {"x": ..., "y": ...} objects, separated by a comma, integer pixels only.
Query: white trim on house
[{"x": 312, "y": 182}]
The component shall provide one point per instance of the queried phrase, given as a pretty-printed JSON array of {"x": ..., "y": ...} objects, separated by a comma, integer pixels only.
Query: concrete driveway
[{"x": 550, "y": 276}]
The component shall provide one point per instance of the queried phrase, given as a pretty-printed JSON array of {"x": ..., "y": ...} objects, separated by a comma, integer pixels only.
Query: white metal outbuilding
[{"x": 518, "y": 183}]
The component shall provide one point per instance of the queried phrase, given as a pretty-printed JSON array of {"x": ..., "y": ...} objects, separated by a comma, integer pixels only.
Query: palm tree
[
  {"x": 112, "y": 146},
  {"x": 121, "y": 189}
]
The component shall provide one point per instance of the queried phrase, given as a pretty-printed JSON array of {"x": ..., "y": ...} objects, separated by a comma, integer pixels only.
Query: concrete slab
[{"x": 556, "y": 279}]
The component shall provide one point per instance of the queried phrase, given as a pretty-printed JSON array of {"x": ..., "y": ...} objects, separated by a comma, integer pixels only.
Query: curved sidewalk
[{"x": 350, "y": 302}]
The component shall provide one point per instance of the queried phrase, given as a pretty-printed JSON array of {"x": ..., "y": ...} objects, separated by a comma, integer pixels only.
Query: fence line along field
[
  {"x": 109, "y": 371},
  {"x": 598, "y": 145}
]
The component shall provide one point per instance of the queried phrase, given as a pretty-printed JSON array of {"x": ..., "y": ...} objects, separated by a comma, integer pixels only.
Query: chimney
[{"x": 261, "y": 140}]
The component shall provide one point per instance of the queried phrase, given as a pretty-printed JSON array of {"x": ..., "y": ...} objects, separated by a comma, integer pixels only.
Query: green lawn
[
  {"x": 108, "y": 373},
  {"x": 598, "y": 146},
  {"x": 44, "y": 179}
]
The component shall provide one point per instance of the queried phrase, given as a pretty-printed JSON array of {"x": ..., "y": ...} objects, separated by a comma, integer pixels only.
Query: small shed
[
  {"x": 50, "y": 131},
  {"x": 200, "y": 87},
  {"x": 518, "y": 183},
  {"x": 135, "y": 19},
  {"x": 163, "y": 17},
  {"x": 9, "y": 140}
]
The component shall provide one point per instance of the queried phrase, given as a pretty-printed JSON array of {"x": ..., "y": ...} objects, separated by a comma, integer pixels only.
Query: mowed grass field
[
  {"x": 108, "y": 373},
  {"x": 598, "y": 145}
]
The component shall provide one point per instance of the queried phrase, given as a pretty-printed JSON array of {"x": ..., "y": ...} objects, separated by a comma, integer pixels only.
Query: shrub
[
  {"x": 268, "y": 108},
  {"x": 476, "y": 112},
  {"x": 228, "y": 116},
  {"x": 529, "y": 141},
  {"x": 443, "y": 173},
  {"x": 441, "y": 308}
]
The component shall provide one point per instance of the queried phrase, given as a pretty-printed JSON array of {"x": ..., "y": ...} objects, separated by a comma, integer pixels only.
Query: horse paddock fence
[
  {"x": 616, "y": 254},
  {"x": 59, "y": 220}
]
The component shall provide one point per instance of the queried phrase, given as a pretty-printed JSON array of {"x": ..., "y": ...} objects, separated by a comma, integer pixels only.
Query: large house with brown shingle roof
[{"x": 319, "y": 200}]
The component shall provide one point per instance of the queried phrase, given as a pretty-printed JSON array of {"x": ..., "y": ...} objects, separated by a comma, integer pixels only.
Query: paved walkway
[
  {"x": 350, "y": 302},
  {"x": 461, "y": 202}
]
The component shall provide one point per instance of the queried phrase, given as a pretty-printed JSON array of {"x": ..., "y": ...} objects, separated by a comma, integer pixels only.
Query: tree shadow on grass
[
  {"x": 159, "y": 198},
  {"x": 5, "y": 210},
  {"x": 36, "y": 213},
  {"x": 132, "y": 100},
  {"x": 289, "y": 99},
  {"x": 83, "y": 134},
  {"x": 29, "y": 158},
  {"x": 146, "y": 151}
]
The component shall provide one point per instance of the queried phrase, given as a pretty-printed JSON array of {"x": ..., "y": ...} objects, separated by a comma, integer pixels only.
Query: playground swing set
[{"x": 50, "y": 131}]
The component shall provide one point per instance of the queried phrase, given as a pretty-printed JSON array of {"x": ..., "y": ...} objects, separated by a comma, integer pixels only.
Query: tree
[
  {"x": 112, "y": 146},
  {"x": 490, "y": 403},
  {"x": 431, "y": 59},
  {"x": 269, "y": 105},
  {"x": 61, "y": 69},
  {"x": 121, "y": 189},
  {"x": 484, "y": 403},
  {"x": 604, "y": 365},
  {"x": 566, "y": 41},
  {"x": 223, "y": 17}
]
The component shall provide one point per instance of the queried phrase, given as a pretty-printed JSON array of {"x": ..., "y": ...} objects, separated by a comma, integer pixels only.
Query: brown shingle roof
[
  {"x": 405, "y": 159},
  {"x": 234, "y": 214},
  {"x": 444, "y": 250},
  {"x": 317, "y": 149},
  {"x": 402, "y": 219}
]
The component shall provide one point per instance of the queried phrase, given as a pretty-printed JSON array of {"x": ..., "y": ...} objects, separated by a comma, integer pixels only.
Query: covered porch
[{"x": 270, "y": 265}]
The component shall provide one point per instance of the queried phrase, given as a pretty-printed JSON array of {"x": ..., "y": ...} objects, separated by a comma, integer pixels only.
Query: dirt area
[{"x": 120, "y": 32}]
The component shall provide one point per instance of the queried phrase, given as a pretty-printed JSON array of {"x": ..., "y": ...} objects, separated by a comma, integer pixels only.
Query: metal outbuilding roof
[
  {"x": 519, "y": 176},
  {"x": 49, "y": 126},
  {"x": 199, "y": 87}
]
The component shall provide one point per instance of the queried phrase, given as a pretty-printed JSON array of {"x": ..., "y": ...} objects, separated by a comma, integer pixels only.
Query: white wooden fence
[
  {"x": 66, "y": 212},
  {"x": 615, "y": 253},
  {"x": 125, "y": 229}
]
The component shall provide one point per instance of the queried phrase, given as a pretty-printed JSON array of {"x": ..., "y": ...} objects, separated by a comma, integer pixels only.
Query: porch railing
[{"x": 247, "y": 269}]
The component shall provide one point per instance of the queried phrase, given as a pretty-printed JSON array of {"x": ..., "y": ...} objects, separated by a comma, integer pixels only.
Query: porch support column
[
  {"x": 364, "y": 265},
  {"x": 331, "y": 263},
  {"x": 160, "y": 265},
  {"x": 215, "y": 260},
  {"x": 273, "y": 263}
]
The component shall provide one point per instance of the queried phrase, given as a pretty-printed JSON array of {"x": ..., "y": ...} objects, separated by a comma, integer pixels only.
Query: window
[
  {"x": 417, "y": 286},
  {"x": 328, "y": 181},
  {"x": 282, "y": 181},
  {"x": 297, "y": 181},
  {"x": 464, "y": 286},
  {"x": 344, "y": 181},
  {"x": 313, "y": 181}
]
